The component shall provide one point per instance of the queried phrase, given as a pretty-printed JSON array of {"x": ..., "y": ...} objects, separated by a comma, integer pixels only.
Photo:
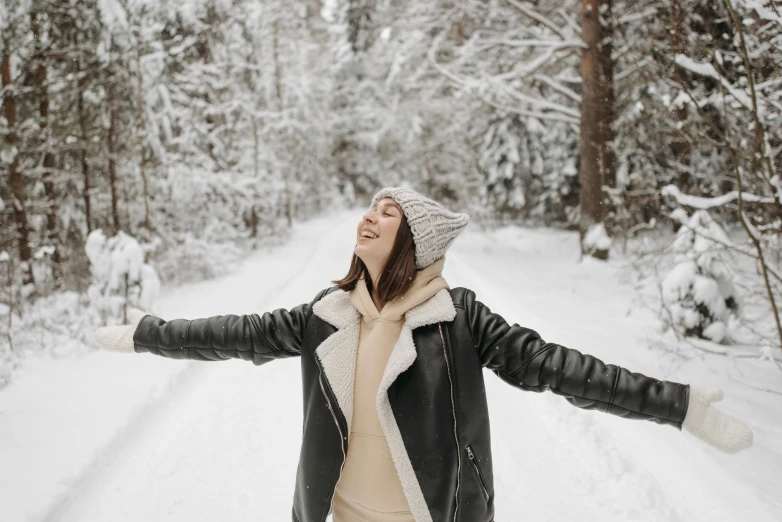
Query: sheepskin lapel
[
  {"x": 338, "y": 355},
  {"x": 339, "y": 351},
  {"x": 434, "y": 310}
]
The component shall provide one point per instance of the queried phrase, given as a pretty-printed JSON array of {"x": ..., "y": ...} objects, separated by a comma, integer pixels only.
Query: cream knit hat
[{"x": 434, "y": 228}]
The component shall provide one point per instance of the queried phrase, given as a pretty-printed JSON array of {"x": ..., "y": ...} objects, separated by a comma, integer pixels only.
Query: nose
[{"x": 370, "y": 217}]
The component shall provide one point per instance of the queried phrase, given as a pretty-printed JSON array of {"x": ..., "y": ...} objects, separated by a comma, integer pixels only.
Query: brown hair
[{"x": 398, "y": 274}]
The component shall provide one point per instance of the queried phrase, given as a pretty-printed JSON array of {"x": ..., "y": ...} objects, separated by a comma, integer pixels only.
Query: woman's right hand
[{"x": 120, "y": 337}]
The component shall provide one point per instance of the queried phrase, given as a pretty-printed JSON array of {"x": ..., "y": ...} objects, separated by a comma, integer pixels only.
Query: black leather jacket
[{"x": 447, "y": 438}]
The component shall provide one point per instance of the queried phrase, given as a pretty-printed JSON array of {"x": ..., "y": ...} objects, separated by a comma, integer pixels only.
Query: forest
[
  {"x": 620, "y": 163},
  {"x": 205, "y": 129}
]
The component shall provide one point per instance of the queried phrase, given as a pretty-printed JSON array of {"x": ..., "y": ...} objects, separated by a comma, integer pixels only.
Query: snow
[
  {"x": 112, "y": 14},
  {"x": 125, "y": 437},
  {"x": 150, "y": 288},
  {"x": 776, "y": 181},
  {"x": 707, "y": 69},
  {"x": 46, "y": 250},
  {"x": 680, "y": 215},
  {"x": 8, "y": 154},
  {"x": 703, "y": 203},
  {"x": 596, "y": 238},
  {"x": 762, "y": 9}
]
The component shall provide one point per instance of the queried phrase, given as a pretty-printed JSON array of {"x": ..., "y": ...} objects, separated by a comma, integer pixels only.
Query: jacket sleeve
[
  {"x": 521, "y": 358},
  {"x": 259, "y": 339}
]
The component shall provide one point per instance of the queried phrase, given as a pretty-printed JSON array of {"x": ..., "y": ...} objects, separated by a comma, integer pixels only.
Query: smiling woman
[
  {"x": 384, "y": 251},
  {"x": 396, "y": 422}
]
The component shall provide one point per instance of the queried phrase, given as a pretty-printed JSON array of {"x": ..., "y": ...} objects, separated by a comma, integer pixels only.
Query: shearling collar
[
  {"x": 337, "y": 310},
  {"x": 339, "y": 351},
  {"x": 338, "y": 355}
]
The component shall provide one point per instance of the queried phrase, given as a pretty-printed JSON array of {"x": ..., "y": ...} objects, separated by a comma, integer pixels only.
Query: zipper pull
[{"x": 470, "y": 454}]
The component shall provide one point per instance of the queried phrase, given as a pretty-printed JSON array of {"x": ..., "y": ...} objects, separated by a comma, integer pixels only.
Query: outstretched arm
[
  {"x": 520, "y": 357},
  {"x": 255, "y": 338}
]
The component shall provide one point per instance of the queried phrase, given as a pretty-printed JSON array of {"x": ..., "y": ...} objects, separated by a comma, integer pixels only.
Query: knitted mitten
[
  {"x": 120, "y": 337},
  {"x": 711, "y": 425}
]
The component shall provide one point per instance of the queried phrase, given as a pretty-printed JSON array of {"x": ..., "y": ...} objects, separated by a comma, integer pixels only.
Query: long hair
[{"x": 398, "y": 274}]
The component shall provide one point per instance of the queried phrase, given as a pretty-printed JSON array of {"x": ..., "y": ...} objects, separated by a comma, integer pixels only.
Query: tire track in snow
[{"x": 121, "y": 455}]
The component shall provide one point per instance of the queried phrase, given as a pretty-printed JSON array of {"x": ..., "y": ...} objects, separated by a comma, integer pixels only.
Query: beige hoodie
[{"x": 369, "y": 489}]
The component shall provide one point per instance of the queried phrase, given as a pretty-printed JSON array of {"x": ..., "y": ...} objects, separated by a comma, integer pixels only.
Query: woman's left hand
[{"x": 711, "y": 425}]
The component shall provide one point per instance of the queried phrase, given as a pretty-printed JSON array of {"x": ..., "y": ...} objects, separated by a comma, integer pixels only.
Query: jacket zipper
[
  {"x": 474, "y": 461},
  {"x": 455, "y": 433},
  {"x": 341, "y": 437}
]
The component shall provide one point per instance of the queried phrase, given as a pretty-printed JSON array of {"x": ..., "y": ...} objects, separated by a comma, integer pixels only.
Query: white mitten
[
  {"x": 711, "y": 425},
  {"x": 120, "y": 337}
]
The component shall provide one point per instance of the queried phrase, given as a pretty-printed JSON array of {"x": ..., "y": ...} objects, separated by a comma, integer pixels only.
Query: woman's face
[{"x": 382, "y": 222}]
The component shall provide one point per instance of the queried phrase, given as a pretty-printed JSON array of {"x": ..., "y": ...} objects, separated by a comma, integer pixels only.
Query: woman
[{"x": 396, "y": 425}]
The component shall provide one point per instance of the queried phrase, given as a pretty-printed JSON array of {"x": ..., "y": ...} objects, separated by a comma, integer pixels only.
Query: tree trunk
[
  {"x": 15, "y": 179},
  {"x": 112, "y": 158},
  {"x": 680, "y": 145},
  {"x": 143, "y": 126},
  {"x": 278, "y": 89},
  {"x": 598, "y": 162},
  {"x": 52, "y": 232},
  {"x": 85, "y": 168}
]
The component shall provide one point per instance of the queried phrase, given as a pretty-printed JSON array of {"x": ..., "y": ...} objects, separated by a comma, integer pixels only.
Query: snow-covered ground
[{"x": 125, "y": 437}]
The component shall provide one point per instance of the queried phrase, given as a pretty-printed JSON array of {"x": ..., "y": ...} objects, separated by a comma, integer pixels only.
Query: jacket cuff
[{"x": 145, "y": 336}]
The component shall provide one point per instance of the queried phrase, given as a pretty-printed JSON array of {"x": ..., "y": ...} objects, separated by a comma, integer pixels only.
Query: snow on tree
[
  {"x": 501, "y": 160},
  {"x": 120, "y": 278},
  {"x": 596, "y": 240},
  {"x": 698, "y": 292}
]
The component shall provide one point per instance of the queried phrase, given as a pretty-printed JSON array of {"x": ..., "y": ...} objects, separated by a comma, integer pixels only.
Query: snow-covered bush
[
  {"x": 698, "y": 292},
  {"x": 58, "y": 325},
  {"x": 196, "y": 259},
  {"x": 120, "y": 278}
]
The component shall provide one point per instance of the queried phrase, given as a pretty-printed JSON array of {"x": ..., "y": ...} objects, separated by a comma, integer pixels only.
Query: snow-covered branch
[
  {"x": 550, "y": 24},
  {"x": 635, "y": 17},
  {"x": 559, "y": 87},
  {"x": 761, "y": 8},
  {"x": 542, "y": 103},
  {"x": 702, "y": 203},
  {"x": 641, "y": 64},
  {"x": 708, "y": 70},
  {"x": 559, "y": 112},
  {"x": 569, "y": 20},
  {"x": 532, "y": 42}
]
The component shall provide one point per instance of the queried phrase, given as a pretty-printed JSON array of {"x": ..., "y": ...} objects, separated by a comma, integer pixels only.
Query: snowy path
[{"x": 223, "y": 444}]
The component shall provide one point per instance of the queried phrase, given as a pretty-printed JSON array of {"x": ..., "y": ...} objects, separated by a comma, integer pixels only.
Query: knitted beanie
[{"x": 434, "y": 228}]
